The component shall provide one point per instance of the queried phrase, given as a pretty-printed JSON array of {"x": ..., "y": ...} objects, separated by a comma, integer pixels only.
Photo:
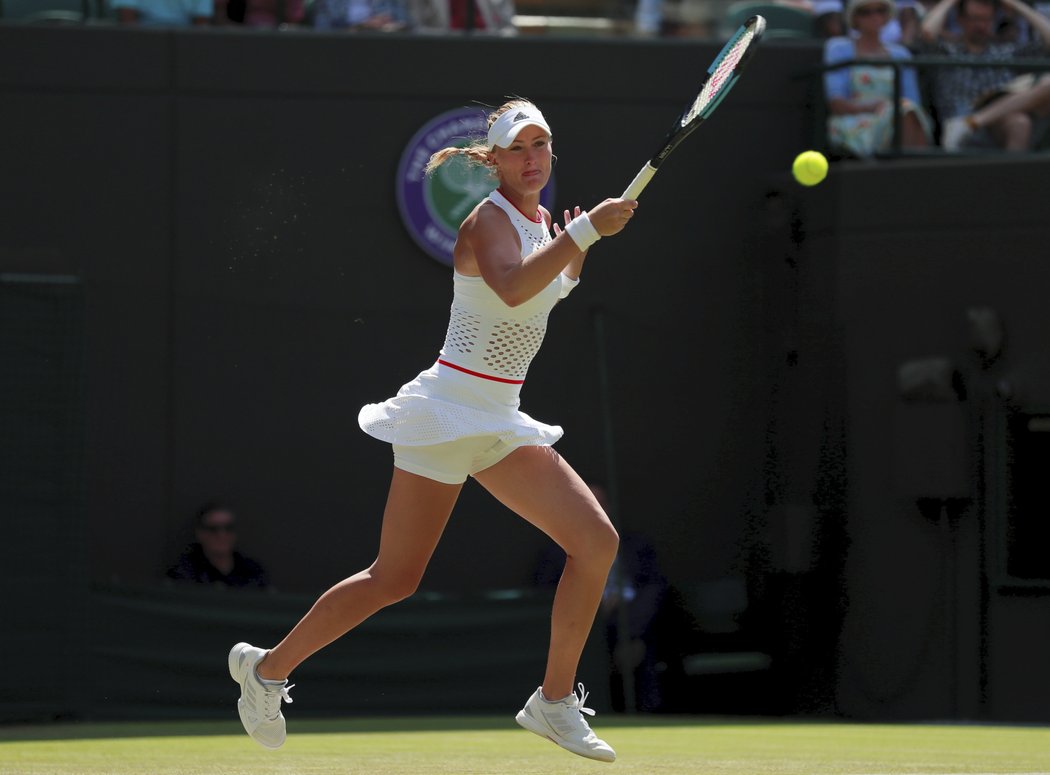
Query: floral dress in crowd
[{"x": 864, "y": 134}]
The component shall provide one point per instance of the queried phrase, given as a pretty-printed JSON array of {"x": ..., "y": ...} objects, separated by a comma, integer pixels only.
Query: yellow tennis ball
[{"x": 809, "y": 168}]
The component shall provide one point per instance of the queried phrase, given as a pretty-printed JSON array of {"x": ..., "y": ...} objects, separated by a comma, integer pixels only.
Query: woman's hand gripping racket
[{"x": 721, "y": 76}]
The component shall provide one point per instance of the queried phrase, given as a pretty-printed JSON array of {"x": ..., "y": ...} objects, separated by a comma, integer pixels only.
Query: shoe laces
[
  {"x": 580, "y": 699},
  {"x": 586, "y": 733},
  {"x": 272, "y": 697}
]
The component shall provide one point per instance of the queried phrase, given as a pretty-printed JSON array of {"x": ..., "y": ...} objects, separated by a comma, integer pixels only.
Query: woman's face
[
  {"x": 870, "y": 16},
  {"x": 525, "y": 165}
]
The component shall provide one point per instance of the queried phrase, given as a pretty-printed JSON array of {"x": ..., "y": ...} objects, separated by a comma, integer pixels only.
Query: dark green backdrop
[{"x": 237, "y": 283}]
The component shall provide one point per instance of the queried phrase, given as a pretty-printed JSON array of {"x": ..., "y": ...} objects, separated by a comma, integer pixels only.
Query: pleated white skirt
[{"x": 443, "y": 404}]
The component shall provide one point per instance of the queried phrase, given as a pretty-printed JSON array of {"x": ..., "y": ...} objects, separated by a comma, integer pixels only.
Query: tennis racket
[{"x": 721, "y": 76}]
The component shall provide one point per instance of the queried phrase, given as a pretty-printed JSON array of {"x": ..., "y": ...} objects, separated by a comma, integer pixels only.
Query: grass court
[{"x": 496, "y": 746}]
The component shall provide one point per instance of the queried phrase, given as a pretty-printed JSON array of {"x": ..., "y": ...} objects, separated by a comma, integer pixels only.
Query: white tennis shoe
[
  {"x": 562, "y": 722},
  {"x": 260, "y": 704}
]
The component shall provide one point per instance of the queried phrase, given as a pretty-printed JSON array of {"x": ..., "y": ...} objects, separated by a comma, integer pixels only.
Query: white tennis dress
[{"x": 473, "y": 389}]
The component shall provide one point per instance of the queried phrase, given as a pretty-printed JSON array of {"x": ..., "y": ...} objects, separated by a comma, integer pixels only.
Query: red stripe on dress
[{"x": 479, "y": 374}]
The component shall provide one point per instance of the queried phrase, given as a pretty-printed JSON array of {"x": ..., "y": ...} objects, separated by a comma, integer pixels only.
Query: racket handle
[{"x": 641, "y": 180}]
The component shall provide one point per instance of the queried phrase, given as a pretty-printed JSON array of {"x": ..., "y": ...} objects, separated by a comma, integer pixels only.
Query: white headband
[{"x": 506, "y": 127}]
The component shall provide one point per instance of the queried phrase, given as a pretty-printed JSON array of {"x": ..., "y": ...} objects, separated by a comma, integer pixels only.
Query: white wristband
[{"x": 582, "y": 231}]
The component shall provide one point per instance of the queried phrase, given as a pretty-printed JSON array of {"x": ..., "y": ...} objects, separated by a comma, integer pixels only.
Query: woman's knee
[
  {"x": 1019, "y": 122},
  {"x": 596, "y": 545},
  {"x": 1016, "y": 130},
  {"x": 914, "y": 133},
  {"x": 610, "y": 541},
  {"x": 394, "y": 585}
]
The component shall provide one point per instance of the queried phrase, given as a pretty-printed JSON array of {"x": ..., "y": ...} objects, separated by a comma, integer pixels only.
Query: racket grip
[{"x": 641, "y": 180}]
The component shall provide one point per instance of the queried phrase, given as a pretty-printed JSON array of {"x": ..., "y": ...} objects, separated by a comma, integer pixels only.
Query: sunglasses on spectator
[
  {"x": 870, "y": 10},
  {"x": 219, "y": 528}
]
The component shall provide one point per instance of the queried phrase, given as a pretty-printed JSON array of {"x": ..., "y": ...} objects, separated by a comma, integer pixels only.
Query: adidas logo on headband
[{"x": 506, "y": 127}]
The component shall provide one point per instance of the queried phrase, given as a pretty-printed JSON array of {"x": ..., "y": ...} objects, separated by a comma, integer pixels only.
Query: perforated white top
[
  {"x": 484, "y": 334},
  {"x": 473, "y": 389}
]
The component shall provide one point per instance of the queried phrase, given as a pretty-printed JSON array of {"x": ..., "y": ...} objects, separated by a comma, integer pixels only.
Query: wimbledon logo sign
[{"x": 432, "y": 208}]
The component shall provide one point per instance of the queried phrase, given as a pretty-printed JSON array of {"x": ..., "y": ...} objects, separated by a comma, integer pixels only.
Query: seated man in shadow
[{"x": 212, "y": 558}]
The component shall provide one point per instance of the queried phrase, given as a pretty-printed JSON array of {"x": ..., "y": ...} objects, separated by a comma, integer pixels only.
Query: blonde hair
[{"x": 476, "y": 152}]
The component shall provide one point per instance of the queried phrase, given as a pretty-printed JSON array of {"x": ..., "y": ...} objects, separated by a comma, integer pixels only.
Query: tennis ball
[{"x": 809, "y": 168}]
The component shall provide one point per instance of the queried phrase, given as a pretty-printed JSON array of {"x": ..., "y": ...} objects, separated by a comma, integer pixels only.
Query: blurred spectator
[
  {"x": 260, "y": 13},
  {"x": 635, "y": 596},
  {"x": 648, "y": 17},
  {"x": 212, "y": 558},
  {"x": 985, "y": 106},
  {"x": 692, "y": 18},
  {"x": 159, "y": 13},
  {"x": 1014, "y": 115},
  {"x": 379, "y": 15},
  {"x": 647, "y": 628},
  {"x": 860, "y": 98},
  {"x": 489, "y": 15},
  {"x": 903, "y": 28},
  {"x": 444, "y": 15},
  {"x": 828, "y": 21}
]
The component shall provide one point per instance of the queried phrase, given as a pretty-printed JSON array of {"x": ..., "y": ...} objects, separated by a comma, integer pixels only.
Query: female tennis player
[{"x": 460, "y": 418}]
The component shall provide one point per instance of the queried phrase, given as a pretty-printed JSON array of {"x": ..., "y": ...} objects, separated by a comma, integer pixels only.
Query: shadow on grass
[{"x": 88, "y": 730}]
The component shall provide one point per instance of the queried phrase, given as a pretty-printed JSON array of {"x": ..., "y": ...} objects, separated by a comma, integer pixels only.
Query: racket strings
[{"x": 721, "y": 76}]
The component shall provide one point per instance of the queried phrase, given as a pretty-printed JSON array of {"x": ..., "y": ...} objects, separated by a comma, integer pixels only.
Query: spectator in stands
[
  {"x": 985, "y": 106},
  {"x": 828, "y": 20},
  {"x": 494, "y": 16},
  {"x": 642, "y": 616},
  {"x": 635, "y": 598},
  {"x": 260, "y": 13},
  {"x": 648, "y": 17},
  {"x": 159, "y": 13},
  {"x": 860, "y": 98},
  {"x": 1023, "y": 103},
  {"x": 378, "y": 15},
  {"x": 904, "y": 27},
  {"x": 212, "y": 558},
  {"x": 691, "y": 18}
]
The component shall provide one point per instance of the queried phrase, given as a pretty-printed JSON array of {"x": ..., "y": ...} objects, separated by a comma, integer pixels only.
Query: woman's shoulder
[
  {"x": 487, "y": 221},
  {"x": 480, "y": 210},
  {"x": 838, "y": 48},
  {"x": 485, "y": 214}
]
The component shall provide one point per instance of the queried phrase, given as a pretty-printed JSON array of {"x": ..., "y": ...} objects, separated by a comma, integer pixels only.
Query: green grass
[{"x": 494, "y": 746}]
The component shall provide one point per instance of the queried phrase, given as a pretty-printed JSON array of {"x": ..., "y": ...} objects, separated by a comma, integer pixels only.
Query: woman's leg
[
  {"x": 912, "y": 133},
  {"x": 417, "y": 510},
  {"x": 537, "y": 484},
  {"x": 1013, "y": 131},
  {"x": 1035, "y": 100}
]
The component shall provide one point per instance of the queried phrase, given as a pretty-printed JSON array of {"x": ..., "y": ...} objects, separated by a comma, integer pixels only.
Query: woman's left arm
[
  {"x": 909, "y": 80},
  {"x": 575, "y": 267}
]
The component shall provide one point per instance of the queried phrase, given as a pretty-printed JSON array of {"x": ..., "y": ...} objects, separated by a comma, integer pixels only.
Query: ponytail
[{"x": 477, "y": 154}]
